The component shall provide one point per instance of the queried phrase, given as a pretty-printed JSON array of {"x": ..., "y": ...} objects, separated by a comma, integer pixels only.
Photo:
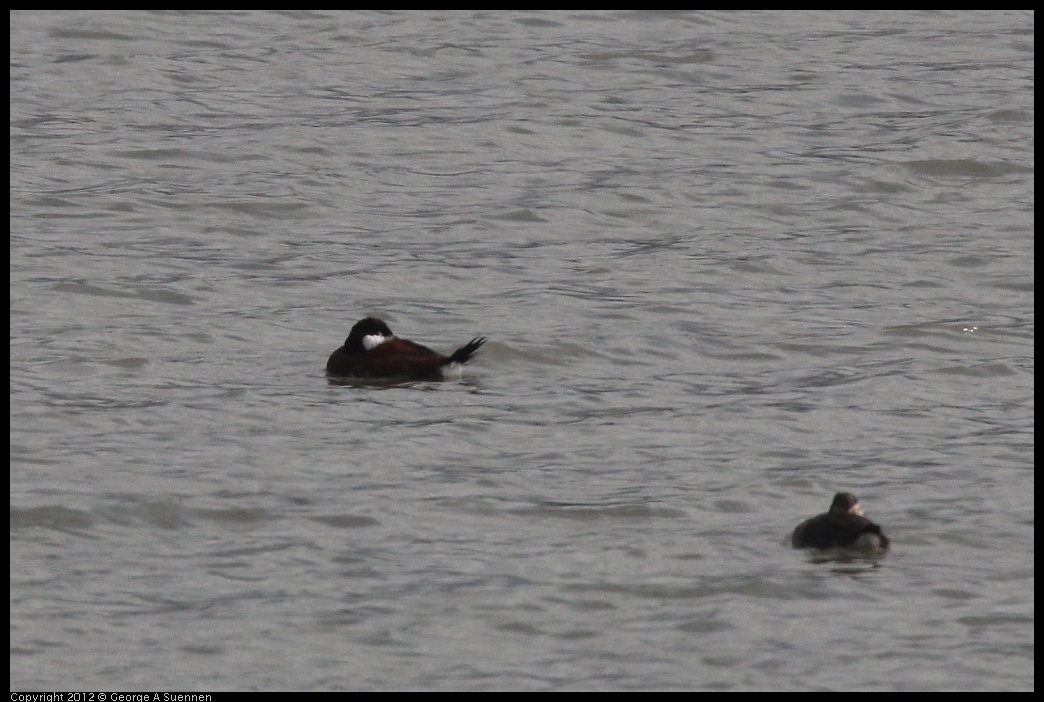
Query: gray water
[{"x": 728, "y": 264}]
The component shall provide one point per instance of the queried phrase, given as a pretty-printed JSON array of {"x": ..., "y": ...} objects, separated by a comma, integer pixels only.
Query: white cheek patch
[{"x": 372, "y": 341}]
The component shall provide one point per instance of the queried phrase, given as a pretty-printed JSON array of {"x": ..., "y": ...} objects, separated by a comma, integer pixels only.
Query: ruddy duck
[
  {"x": 844, "y": 526},
  {"x": 372, "y": 351}
]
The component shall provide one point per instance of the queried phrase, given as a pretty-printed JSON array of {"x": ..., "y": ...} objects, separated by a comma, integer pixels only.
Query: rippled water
[{"x": 728, "y": 264}]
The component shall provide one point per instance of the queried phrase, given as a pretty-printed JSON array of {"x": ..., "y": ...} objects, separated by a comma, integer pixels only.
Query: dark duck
[
  {"x": 373, "y": 351},
  {"x": 843, "y": 527}
]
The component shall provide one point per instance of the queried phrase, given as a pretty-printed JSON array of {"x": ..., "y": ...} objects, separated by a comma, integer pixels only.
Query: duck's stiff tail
[{"x": 465, "y": 352}]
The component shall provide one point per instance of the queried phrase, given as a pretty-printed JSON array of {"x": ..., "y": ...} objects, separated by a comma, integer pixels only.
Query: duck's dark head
[
  {"x": 846, "y": 503},
  {"x": 366, "y": 334}
]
